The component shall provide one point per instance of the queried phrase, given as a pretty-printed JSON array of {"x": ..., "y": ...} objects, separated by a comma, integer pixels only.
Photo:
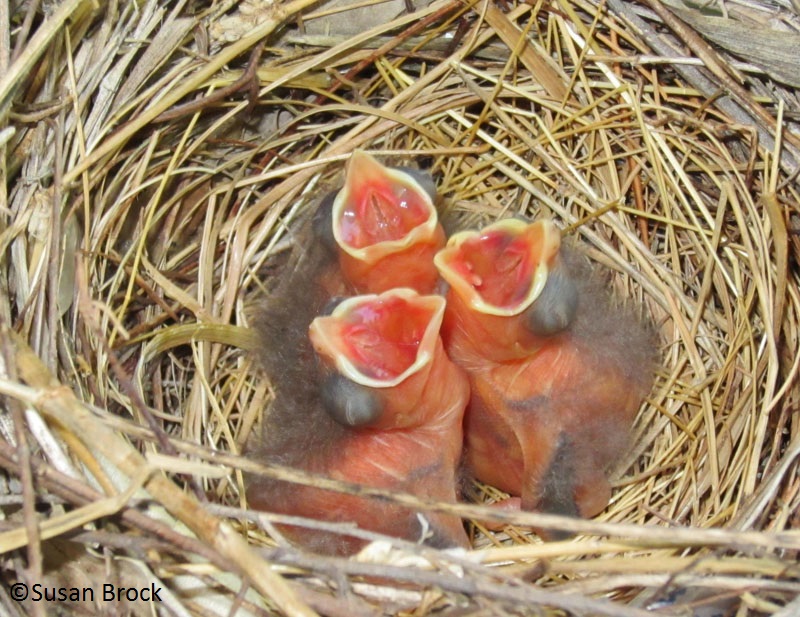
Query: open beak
[
  {"x": 502, "y": 269},
  {"x": 386, "y": 227},
  {"x": 379, "y": 341},
  {"x": 495, "y": 276}
]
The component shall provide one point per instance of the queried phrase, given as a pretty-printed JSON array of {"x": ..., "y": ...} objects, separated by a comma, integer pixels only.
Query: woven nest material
[{"x": 153, "y": 163}]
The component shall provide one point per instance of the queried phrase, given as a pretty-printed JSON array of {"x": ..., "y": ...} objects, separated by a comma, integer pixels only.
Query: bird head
[
  {"x": 386, "y": 227},
  {"x": 378, "y": 350},
  {"x": 501, "y": 293}
]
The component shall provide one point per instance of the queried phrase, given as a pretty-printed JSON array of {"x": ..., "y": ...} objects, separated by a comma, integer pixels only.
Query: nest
[{"x": 153, "y": 165}]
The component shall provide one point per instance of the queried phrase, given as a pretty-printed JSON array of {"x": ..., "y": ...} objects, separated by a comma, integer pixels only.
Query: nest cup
[{"x": 156, "y": 165}]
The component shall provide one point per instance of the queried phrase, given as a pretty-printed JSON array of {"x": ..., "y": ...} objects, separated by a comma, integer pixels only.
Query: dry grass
[{"x": 141, "y": 212}]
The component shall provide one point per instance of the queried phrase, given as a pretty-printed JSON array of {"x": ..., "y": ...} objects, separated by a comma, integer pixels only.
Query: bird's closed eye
[{"x": 349, "y": 403}]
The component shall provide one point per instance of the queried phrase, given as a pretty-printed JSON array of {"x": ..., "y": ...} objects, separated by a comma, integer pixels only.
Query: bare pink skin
[
  {"x": 414, "y": 446},
  {"x": 548, "y": 414}
]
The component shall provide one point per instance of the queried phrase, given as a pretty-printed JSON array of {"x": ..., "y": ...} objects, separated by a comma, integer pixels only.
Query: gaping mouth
[
  {"x": 380, "y": 210},
  {"x": 380, "y": 340},
  {"x": 502, "y": 269}
]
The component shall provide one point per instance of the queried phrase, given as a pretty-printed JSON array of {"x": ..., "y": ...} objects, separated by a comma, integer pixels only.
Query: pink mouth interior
[
  {"x": 382, "y": 338},
  {"x": 380, "y": 210},
  {"x": 497, "y": 266}
]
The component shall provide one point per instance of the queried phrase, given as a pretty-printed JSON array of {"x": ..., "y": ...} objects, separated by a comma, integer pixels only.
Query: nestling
[
  {"x": 384, "y": 408},
  {"x": 557, "y": 370}
]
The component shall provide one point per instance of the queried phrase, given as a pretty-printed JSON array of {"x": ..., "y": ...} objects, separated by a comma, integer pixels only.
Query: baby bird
[
  {"x": 383, "y": 226},
  {"x": 370, "y": 406},
  {"x": 557, "y": 370},
  {"x": 384, "y": 410}
]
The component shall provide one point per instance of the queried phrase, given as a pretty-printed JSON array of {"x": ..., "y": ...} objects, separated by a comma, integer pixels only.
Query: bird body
[
  {"x": 554, "y": 393},
  {"x": 367, "y": 393},
  {"x": 559, "y": 413},
  {"x": 408, "y": 439}
]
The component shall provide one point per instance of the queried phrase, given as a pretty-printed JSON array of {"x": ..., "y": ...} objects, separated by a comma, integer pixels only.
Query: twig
[
  {"x": 30, "y": 516},
  {"x": 743, "y": 110},
  {"x": 247, "y": 81},
  {"x": 78, "y": 493}
]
